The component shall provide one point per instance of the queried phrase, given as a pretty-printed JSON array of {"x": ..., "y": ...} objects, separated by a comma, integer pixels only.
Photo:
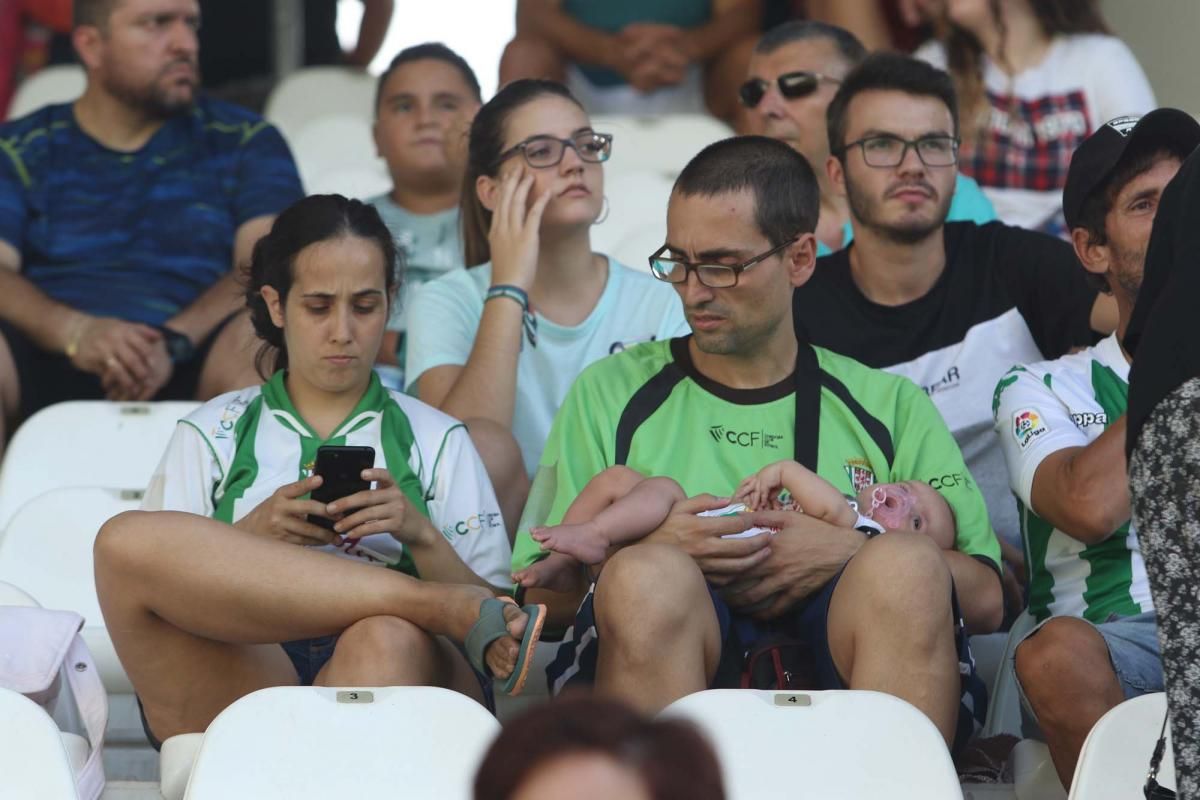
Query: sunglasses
[{"x": 792, "y": 85}]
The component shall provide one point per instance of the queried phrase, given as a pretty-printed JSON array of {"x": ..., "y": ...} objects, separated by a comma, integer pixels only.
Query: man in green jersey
[
  {"x": 677, "y": 612},
  {"x": 1061, "y": 425}
]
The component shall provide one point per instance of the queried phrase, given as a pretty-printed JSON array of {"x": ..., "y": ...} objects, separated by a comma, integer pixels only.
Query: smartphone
[{"x": 341, "y": 467}]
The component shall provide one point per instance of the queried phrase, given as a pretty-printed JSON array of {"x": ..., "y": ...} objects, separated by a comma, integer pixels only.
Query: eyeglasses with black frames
[
  {"x": 714, "y": 276},
  {"x": 547, "y": 151},
  {"x": 886, "y": 150}
]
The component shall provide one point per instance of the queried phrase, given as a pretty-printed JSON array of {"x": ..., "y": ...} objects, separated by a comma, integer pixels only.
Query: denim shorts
[{"x": 1133, "y": 649}]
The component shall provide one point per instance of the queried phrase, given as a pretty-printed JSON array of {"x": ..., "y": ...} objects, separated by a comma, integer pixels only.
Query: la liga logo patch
[{"x": 1027, "y": 426}]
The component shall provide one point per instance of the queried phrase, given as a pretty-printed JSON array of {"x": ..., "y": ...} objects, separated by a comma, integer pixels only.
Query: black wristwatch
[{"x": 179, "y": 346}]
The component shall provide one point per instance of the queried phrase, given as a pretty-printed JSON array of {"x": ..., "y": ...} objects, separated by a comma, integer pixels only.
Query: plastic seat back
[
  {"x": 295, "y": 743},
  {"x": 836, "y": 745},
  {"x": 33, "y": 759},
  {"x": 1116, "y": 754},
  {"x": 61, "y": 83}
]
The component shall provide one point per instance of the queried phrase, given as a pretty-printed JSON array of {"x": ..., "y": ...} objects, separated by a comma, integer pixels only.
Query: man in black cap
[{"x": 1061, "y": 426}]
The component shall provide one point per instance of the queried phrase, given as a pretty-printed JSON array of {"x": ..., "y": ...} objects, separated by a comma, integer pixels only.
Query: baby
[{"x": 620, "y": 506}]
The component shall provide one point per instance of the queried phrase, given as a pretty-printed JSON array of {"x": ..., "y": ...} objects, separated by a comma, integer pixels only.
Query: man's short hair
[
  {"x": 437, "y": 52},
  {"x": 800, "y": 30},
  {"x": 786, "y": 197},
  {"x": 92, "y": 12},
  {"x": 887, "y": 72}
]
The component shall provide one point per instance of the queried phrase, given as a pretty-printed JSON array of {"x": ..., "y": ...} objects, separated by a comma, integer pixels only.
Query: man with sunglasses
[
  {"x": 794, "y": 73},
  {"x": 950, "y": 306},
  {"x": 680, "y": 610}
]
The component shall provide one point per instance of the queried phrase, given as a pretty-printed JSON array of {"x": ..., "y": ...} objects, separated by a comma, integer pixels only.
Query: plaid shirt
[{"x": 1027, "y": 144}]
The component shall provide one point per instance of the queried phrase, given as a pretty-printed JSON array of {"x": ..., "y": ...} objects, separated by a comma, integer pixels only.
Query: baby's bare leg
[{"x": 626, "y": 519}]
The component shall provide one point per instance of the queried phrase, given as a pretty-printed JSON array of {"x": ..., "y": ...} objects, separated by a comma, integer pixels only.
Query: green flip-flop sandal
[{"x": 491, "y": 626}]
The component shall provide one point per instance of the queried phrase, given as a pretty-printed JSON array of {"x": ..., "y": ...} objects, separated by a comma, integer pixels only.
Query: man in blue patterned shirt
[{"x": 124, "y": 218}]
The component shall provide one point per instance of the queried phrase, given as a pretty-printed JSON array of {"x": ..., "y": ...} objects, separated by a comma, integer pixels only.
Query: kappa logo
[
  {"x": 859, "y": 472},
  {"x": 1087, "y": 418},
  {"x": 760, "y": 439},
  {"x": 1027, "y": 426}
]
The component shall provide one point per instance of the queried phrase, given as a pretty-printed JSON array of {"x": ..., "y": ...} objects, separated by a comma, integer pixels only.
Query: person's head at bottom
[
  {"x": 587, "y": 748},
  {"x": 320, "y": 285}
]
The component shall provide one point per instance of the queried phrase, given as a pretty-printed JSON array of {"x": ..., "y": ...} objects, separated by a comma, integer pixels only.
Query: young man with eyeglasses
[
  {"x": 794, "y": 72},
  {"x": 679, "y": 611},
  {"x": 950, "y": 306}
]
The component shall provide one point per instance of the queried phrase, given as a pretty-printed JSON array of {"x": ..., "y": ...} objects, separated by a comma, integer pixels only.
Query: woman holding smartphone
[
  {"x": 223, "y": 584},
  {"x": 503, "y": 339}
]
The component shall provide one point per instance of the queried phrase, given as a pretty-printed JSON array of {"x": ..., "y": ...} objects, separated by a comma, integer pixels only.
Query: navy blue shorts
[{"x": 575, "y": 663}]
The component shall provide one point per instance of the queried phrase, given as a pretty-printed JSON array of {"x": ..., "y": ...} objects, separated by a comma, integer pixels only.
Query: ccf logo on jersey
[{"x": 1027, "y": 426}]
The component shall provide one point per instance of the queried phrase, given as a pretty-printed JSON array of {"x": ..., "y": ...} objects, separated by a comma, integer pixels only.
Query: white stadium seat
[
  {"x": 636, "y": 224},
  {"x": 662, "y": 144},
  {"x": 1116, "y": 754},
  {"x": 336, "y": 154},
  {"x": 57, "y": 84},
  {"x": 311, "y": 93},
  {"x": 47, "y": 550},
  {"x": 34, "y": 762},
  {"x": 295, "y": 743},
  {"x": 86, "y": 443},
  {"x": 835, "y": 745}
]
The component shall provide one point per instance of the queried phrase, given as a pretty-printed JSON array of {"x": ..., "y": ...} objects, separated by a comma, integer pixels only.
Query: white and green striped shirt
[
  {"x": 1045, "y": 407},
  {"x": 233, "y": 452}
]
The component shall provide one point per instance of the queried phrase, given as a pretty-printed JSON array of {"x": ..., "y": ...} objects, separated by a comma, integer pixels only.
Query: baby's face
[{"x": 908, "y": 506}]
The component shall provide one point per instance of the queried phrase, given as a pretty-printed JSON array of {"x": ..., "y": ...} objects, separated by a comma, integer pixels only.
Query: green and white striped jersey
[
  {"x": 1045, "y": 407},
  {"x": 233, "y": 452}
]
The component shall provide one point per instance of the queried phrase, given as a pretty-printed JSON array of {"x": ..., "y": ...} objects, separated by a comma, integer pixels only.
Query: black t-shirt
[
  {"x": 1162, "y": 336},
  {"x": 1007, "y": 296}
]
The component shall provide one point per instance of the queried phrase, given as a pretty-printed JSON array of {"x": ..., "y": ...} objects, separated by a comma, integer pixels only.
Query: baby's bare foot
[
  {"x": 583, "y": 541},
  {"x": 557, "y": 572}
]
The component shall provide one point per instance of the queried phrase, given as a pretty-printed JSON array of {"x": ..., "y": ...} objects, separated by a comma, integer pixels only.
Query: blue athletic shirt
[{"x": 137, "y": 235}]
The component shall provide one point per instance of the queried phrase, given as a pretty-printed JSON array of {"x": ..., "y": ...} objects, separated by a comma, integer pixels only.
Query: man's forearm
[
  {"x": 220, "y": 300},
  {"x": 977, "y": 586},
  {"x": 545, "y": 19},
  {"x": 48, "y": 323}
]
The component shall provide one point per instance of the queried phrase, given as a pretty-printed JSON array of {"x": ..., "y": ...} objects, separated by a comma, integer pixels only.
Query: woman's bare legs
[{"x": 194, "y": 607}]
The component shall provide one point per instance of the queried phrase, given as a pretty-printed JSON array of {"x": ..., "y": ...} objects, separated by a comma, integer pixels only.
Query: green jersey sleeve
[
  {"x": 579, "y": 447},
  {"x": 926, "y": 450}
]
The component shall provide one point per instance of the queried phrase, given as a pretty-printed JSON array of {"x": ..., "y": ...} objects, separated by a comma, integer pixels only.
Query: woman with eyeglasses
[
  {"x": 1034, "y": 80},
  {"x": 503, "y": 339}
]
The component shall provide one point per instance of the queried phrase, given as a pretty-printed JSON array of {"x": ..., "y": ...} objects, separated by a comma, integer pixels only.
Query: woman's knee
[
  {"x": 119, "y": 540},
  {"x": 384, "y": 638}
]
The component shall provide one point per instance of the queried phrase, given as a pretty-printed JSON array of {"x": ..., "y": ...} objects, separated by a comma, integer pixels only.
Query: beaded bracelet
[{"x": 516, "y": 293}]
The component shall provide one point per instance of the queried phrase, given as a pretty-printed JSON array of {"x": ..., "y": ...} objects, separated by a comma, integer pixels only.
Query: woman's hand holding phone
[
  {"x": 284, "y": 516},
  {"x": 516, "y": 226},
  {"x": 383, "y": 509}
]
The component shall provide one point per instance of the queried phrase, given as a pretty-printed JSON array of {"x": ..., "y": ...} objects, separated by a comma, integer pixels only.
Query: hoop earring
[{"x": 603, "y": 212}]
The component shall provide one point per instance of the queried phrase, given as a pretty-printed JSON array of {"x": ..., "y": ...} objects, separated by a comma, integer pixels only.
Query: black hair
[
  {"x": 1099, "y": 202},
  {"x": 92, "y": 12},
  {"x": 483, "y": 156},
  {"x": 799, "y": 30},
  {"x": 786, "y": 197},
  {"x": 435, "y": 51},
  {"x": 317, "y": 218},
  {"x": 887, "y": 72}
]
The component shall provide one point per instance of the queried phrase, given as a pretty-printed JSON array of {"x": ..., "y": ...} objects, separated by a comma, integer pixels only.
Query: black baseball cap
[{"x": 1095, "y": 159}]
